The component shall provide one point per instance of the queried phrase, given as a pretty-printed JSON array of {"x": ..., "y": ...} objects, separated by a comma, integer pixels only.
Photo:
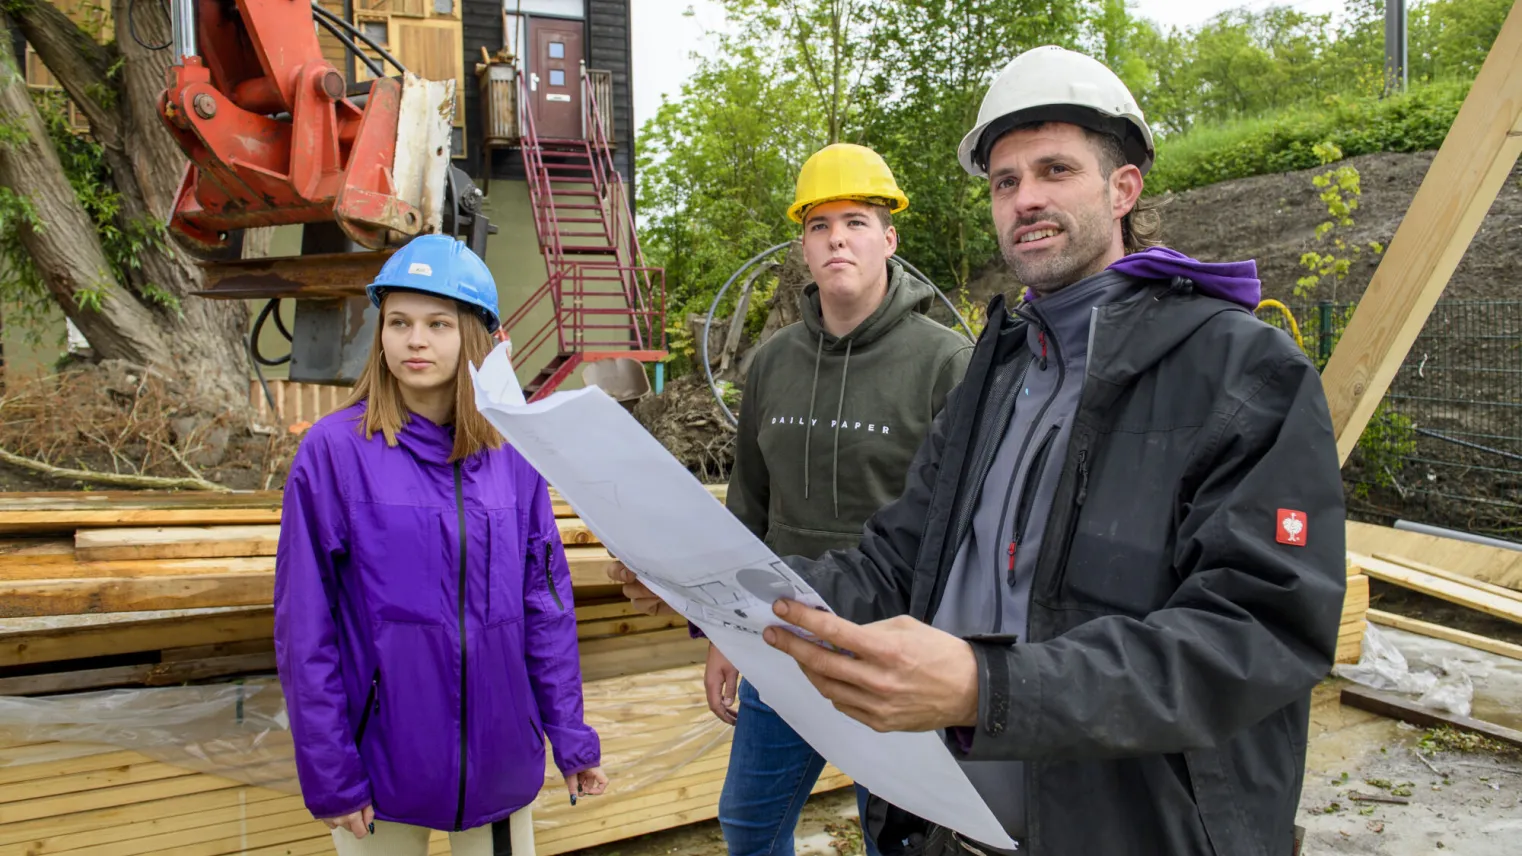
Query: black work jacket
[{"x": 1161, "y": 701}]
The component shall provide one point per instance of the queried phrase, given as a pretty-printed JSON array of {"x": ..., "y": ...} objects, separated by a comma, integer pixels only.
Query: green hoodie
[{"x": 828, "y": 426}]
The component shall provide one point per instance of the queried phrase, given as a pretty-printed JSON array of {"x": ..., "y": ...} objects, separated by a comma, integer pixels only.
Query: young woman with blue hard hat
[{"x": 424, "y": 630}]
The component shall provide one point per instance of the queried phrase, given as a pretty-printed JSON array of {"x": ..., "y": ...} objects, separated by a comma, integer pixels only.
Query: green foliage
[
  {"x": 1340, "y": 192},
  {"x": 12, "y": 134},
  {"x": 124, "y": 241},
  {"x": 1250, "y": 92},
  {"x": 1387, "y": 441},
  {"x": 1413, "y": 121}
]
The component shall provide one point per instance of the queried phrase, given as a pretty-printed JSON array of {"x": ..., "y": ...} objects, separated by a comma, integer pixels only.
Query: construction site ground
[{"x": 1471, "y": 806}]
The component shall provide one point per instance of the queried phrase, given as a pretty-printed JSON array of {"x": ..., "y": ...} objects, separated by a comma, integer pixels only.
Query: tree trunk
[{"x": 150, "y": 315}]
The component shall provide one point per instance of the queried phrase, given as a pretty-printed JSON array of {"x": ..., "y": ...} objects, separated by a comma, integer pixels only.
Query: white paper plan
[{"x": 660, "y": 521}]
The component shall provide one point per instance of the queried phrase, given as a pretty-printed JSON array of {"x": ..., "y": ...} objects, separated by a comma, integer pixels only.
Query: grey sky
[{"x": 665, "y": 37}]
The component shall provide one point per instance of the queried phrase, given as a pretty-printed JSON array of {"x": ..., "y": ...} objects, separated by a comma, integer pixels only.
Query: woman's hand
[
  {"x": 360, "y": 823},
  {"x": 587, "y": 783}
]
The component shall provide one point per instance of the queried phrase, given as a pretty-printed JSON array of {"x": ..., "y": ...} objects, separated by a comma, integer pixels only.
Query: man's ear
[
  {"x": 892, "y": 236},
  {"x": 1125, "y": 189}
]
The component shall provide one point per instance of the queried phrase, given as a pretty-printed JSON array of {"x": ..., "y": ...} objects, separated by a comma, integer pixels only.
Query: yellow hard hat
[{"x": 845, "y": 171}]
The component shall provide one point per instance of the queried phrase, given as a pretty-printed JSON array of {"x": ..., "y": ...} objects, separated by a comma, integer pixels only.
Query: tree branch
[
  {"x": 114, "y": 479},
  {"x": 81, "y": 65},
  {"x": 65, "y": 245}
]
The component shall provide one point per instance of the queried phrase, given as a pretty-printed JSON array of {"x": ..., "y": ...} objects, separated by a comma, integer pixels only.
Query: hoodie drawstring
[
  {"x": 808, "y": 427},
  {"x": 839, "y": 409}
]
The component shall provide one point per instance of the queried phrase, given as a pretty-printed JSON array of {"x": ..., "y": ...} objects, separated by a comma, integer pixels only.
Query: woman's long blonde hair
[{"x": 386, "y": 412}]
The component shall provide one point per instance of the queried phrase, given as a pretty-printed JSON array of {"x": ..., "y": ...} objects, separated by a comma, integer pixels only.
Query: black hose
[
  {"x": 375, "y": 68},
  {"x": 253, "y": 338},
  {"x": 1468, "y": 445},
  {"x": 713, "y": 307},
  {"x": 258, "y": 359},
  {"x": 355, "y": 31},
  {"x": 708, "y": 322},
  {"x": 941, "y": 294},
  {"x": 132, "y": 27}
]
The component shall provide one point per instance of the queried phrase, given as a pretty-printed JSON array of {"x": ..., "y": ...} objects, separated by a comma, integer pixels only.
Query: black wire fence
[{"x": 1445, "y": 445}]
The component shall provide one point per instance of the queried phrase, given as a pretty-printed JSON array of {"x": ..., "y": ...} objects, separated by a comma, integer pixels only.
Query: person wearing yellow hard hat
[{"x": 834, "y": 408}]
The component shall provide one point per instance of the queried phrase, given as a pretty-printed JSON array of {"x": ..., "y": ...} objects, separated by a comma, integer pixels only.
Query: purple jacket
[{"x": 423, "y": 665}]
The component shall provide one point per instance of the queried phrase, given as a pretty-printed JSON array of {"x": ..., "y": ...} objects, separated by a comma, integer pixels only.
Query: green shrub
[{"x": 1414, "y": 121}]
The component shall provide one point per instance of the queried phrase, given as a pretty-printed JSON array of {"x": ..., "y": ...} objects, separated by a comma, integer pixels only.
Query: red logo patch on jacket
[{"x": 1291, "y": 528}]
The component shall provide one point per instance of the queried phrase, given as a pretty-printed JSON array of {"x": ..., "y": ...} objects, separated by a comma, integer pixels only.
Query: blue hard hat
[{"x": 441, "y": 265}]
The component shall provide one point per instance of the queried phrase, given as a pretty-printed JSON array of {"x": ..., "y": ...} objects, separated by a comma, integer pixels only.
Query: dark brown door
[{"x": 557, "y": 64}]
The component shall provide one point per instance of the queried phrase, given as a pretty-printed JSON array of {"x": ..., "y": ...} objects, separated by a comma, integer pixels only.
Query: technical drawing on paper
[{"x": 739, "y": 598}]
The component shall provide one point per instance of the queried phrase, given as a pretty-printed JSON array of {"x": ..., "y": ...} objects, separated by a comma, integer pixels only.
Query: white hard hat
[{"x": 1054, "y": 84}]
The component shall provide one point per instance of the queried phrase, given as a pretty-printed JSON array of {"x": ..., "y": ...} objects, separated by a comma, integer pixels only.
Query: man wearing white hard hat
[{"x": 1116, "y": 570}]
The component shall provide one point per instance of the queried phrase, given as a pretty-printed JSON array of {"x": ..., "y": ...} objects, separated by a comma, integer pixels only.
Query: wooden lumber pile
[
  {"x": 666, "y": 755},
  {"x": 1474, "y": 576},
  {"x": 109, "y": 590}
]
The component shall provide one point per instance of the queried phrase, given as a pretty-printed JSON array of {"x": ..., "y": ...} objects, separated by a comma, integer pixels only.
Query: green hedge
[{"x": 1414, "y": 121}]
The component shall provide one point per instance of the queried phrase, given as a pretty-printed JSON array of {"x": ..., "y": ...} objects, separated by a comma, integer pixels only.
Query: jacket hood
[
  {"x": 1236, "y": 282},
  {"x": 906, "y": 294}
]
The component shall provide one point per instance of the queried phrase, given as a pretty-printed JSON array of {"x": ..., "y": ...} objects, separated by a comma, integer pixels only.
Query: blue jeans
[{"x": 771, "y": 771}]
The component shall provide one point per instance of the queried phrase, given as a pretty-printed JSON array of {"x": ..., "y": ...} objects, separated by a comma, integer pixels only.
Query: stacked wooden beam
[
  {"x": 131, "y": 589},
  {"x": 664, "y": 750},
  {"x": 1474, "y": 576},
  {"x": 182, "y": 586}
]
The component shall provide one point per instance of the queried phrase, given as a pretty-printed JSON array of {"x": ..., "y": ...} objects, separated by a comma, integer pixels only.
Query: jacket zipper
[
  {"x": 549, "y": 574},
  {"x": 372, "y": 705},
  {"x": 459, "y": 499},
  {"x": 1009, "y": 492},
  {"x": 1080, "y": 494},
  {"x": 1027, "y": 500}
]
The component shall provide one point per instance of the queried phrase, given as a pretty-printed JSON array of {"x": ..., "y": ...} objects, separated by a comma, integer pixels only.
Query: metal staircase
[{"x": 600, "y": 300}]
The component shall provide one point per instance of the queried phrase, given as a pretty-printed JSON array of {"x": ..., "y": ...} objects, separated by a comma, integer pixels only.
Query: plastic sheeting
[
  {"x": 238, "y": 731},
  {"x": 654, "y": 727},
  {"x": 1446, "y": 684}
]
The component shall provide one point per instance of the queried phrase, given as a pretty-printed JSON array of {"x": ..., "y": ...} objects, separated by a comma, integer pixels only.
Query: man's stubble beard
[{"x": 1088, "y": 240}]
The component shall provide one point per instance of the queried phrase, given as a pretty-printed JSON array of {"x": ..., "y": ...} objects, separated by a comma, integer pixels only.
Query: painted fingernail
[
  {"x": 372, "y": 828},
  {"x": 573, "y": 799}
]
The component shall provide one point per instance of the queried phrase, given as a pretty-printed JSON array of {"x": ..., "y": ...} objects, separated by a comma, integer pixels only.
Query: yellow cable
[{"x": 1288, "y": 316}]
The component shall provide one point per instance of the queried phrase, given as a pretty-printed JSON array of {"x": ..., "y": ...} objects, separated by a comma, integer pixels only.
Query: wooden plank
[
  {"x": 177, "y": 542},
  {"x": 1447, "y": 634},
  {"x": 1480, "y": 562},
  {"x": 68, "y": 766},
  {"x": 1356, "y": 599},
  {"x": 628, "y": 626},
  {"x": 28, "y": 833},
  {"x": 1459, "y": 593},
  {"x": 91, "y": 780},
  {"x": 75, "y": 643},
  {"x": 573, "y": 531},
  {"x": 65, "y": 511},
  {"x": 147, "y": 568},
  {"x": 33, "y": 552},
  {"x": 1395, "y": 707},
  {"x": 147, "y": 674},
  {"x": 232, "y": 836},
  {"x": 72, "y": 597},
  {"x": 66, "y": 804},
  {"x": 1499, "y": 591},
  {"x": 625, "y": 655},
  {"x": 1468, "y": 171},
  {"x": 155, "y": 835}
]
